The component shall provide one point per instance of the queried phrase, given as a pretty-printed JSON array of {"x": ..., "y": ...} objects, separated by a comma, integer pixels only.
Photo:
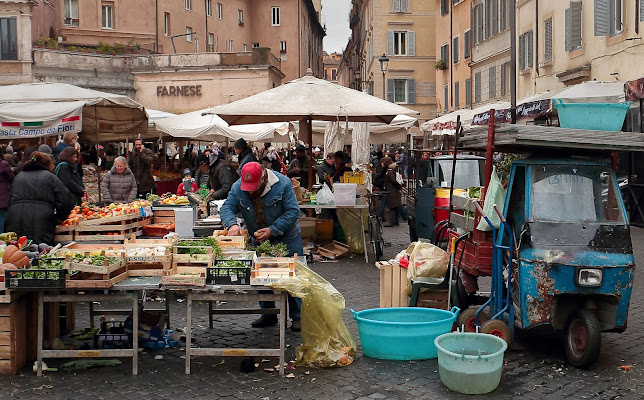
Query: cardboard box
[{"x": 307, "y": 225}]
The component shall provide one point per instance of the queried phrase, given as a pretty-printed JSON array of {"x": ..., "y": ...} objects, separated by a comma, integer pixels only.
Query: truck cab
[{"x": 427, "y": 196}]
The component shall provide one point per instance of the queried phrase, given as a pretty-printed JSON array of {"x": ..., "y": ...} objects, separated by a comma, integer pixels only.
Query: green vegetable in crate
[
  {"x": 93, "y": 260},
  {"x": 266, "y": 248},
  {"x": 199, "y": 246}
]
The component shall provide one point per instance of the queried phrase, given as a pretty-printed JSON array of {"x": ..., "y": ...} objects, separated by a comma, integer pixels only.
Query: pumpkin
[
  {"x": 5, "y": 267},
  {"x": 16, "y": 257}
]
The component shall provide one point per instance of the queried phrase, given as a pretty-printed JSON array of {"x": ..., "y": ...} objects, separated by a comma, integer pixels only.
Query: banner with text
[{"x": 70, "y": 122}]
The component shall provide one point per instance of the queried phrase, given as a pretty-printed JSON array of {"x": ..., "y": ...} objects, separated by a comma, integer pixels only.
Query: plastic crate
[
  {"x": 33, "y": 279},
  {"x": 112, "y": 336},
  {"x": 229, "y": 275}
]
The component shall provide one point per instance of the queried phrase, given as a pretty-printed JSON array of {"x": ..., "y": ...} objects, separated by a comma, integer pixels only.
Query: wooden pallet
[
  {"x": 334, "y": 250},
  {"x": 89, "y": 280}
]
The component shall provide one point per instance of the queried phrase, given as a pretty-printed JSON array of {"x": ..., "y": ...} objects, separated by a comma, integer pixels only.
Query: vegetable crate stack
[
  {"x": 193, "y": 256},
  {"x": 111, "y": 228},
  {"x": 96, "y": 271},
  {"x": 148, "y": 257},
  {"x": 233, "y": 269},
  {"x": 269, "y": 270}
]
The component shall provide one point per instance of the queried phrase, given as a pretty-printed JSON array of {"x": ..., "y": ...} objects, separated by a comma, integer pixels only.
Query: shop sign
[
  {"x": 188, "y": 90},
  {"x": 526, "y": 110},
  {"x": 72, "y": 122},
  {"x": 634, "y": 89}
]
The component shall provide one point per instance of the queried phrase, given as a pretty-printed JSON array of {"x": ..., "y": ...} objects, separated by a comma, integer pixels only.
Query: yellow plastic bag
[
  {"x": 353, "y": 229},
  {"x": 327, "y": 341}
]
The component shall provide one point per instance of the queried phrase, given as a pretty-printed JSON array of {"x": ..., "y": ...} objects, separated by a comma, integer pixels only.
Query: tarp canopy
[
  {"x": 201, "y": 125},
  {"x": 380, "y": 133},
  {"x": 310, "y": 97},
  {"x": 593, "y": 92},
  {"x": 43, "y": 109}
]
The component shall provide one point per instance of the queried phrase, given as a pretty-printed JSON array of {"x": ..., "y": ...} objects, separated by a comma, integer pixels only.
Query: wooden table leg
[
  {"x": 135, "y": 335},
  {"x": 210, "y": 314},
  {"x": 167, "y": 308},
  {"x": 91, "y": 314},
  {"x": 40, "y": 334},
  {"x": 188, "y": 329},
  {"x": 283, "y": 301},
  {"x": 364, "y": 237}
]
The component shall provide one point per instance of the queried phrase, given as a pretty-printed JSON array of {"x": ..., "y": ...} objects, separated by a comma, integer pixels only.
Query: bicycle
[{"x": 375, "y": 228}]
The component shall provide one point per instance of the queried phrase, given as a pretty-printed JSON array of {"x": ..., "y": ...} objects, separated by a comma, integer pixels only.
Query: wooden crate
[
  {"x": 89, "y": 280},
  {"x": 234, "y": 242},
  {"x": 334, "y": 250},
  {"x": 13, "y": 334},
  {"x": 117, "y": 219},
  {"x": 271, "y": 269},
  {"x": 84, "y": 247},
  {"x": 162, "y": 216},
  {"x": 106, "y": 268},
  {"x": 64, "y": 233},
  {"x": 148, "y": 265},
  {"x": 393, "y": 285},
  {"x": 183, "y": 280},
  {"x": 433, "y": 300}
]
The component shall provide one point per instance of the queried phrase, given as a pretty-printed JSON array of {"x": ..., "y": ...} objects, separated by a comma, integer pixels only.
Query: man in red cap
[{"x": 267, "y": 203}]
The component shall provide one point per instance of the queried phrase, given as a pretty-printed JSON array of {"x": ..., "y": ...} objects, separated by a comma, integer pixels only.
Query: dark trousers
[
  {"x": 383, "y": 203},
  {"x": 394, "y": 212}
]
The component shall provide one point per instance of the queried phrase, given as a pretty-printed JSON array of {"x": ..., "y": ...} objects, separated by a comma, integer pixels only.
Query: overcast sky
[{"x": 336, "y": 13}]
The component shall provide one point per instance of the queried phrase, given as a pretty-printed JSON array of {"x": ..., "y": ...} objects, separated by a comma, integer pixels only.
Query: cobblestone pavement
[{"x": 535, "y": 373}]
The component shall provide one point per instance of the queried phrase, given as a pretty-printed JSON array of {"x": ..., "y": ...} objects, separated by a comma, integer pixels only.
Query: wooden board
[
  {"x": 92, "y": 238},
  {"x": 96, "y": 269},
  {"x": 132, "y": 242},
  {"x": 109, "y": 220},
  {"x": 148, "y": 269},
  {"x": 183, "y": 280},
  {"x": 78, "y": 247},
  {"x": 393, "y": 285},
  {"x": 235, "y": 242},
  {"x": 13, "y": 336},
  {"x": 532, "y": 137}
]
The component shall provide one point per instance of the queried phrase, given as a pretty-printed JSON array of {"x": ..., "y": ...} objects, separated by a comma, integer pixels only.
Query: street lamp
[
  {"x": 357, "y": 78},
  {"x": 384, "y": 61}
]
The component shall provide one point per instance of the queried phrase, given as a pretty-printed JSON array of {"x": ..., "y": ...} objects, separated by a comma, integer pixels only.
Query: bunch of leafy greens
[
  {"x": 266, "y": 248},
  {"x": 231, "y": 267},
  {"x": 199, "y": 246}
]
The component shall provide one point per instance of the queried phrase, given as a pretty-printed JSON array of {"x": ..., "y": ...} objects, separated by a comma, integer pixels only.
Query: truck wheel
[
  {"x": 413, "y": 236},
  {"x": 583, "y": 338},
  {"x": 466, "y": 319},
  {"x": 497, "y": 328}
]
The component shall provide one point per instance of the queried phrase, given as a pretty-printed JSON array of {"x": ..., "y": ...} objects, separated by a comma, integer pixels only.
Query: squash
[
  {"x": 5, "y": 267},
  {"x": 16, "y": 257},
  {"x": 8, "y": 252}
]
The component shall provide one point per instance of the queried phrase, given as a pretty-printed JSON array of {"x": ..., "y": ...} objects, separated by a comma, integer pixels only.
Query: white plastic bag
[
  {"x": 399, "y": 178},
  {"x": 495, "y": 195},
  {"x": 325, "y": 195}
]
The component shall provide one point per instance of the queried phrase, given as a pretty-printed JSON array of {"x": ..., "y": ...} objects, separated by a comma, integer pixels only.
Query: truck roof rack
[{"x": 534, "y": 138}]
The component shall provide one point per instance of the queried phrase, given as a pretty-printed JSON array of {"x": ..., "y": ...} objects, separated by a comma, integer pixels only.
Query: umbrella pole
[
  {"x": 307, "y": 122},
  {"x": 98, "y": 168}
]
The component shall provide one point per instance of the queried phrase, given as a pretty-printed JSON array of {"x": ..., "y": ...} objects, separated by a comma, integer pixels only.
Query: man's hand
[
  {"x": 234, "y": 230},
  {"x": 262, "y": 234}
]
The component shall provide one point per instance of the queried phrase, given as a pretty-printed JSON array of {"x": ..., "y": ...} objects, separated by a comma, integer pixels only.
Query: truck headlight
[{"x": 589, "y": 277}]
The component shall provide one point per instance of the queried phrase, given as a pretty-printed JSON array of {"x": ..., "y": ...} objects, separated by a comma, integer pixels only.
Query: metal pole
[
  {"x": 513, "y": 65},
  {"x": 489, "y": 151},
  {"x": 384, "y": 95}
]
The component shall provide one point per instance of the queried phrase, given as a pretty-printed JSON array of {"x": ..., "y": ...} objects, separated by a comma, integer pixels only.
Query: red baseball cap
[{"x": 251, "y": 174}]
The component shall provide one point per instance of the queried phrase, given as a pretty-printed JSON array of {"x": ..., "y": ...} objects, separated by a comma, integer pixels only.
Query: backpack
[{"x": 379, "y": 182}]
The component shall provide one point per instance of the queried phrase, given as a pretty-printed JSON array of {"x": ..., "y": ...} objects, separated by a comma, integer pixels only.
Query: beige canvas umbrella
[{"x": 307, "y": 99}]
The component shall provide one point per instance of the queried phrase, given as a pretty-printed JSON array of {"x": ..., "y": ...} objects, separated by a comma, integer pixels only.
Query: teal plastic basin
[
  {"x": 470, "y": 363},
  {"x": 402, "y": 333},
  {"x": 593, "y": 116}
]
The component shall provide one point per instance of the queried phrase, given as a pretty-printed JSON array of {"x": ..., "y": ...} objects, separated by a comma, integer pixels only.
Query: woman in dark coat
[
  {"x": 39, "y": 201},
  {"x": 66, "y": 171},
  {"x": 394, "y": 199},
  {"x": 6, "y": 177}
]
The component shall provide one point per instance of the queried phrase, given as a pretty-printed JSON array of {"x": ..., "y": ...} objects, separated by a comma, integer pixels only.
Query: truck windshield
[
  {"x": 574, "y": 193},
  {"x": 467, "y": 173}
]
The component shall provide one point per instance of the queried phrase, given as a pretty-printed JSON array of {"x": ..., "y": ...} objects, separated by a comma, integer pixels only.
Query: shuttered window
[
  {"x": 495, "y": 18},
  {"x": 466, "y": 45},
  {"x": 445, "y": 53},
  {"x": 401, "y": 91},
  {"x": 573, "y": 17},
  {"x": 8, "y": 39},
  {"x": 477, "y": 87},
  {"x": 488, "y": 18},
  {"x": 400, "y": 6},
  {"x": 504, "y": 78},
  {"x": 503, "y": 15},
  {"x": 455, "y": 51},
  {"x": 477, "y": 23},
  {"x": 641, "y": 11},
  {"x": 547, "y": 37},
  {"x": 457, "y": 96},
  {"x": 601, "y": 17},
  {"x": 525, "y": 50},
  {"x": 445, "y": 97},
  {"x": 411, "y": 91},
  {"x": 492, "y": 83},
  {"x": 521, "y": 52},
  {"x": 468, "y": 92},
  {"x": 444, "y": 7}
]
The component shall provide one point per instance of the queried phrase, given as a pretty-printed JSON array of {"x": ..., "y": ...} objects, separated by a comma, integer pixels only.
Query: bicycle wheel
[{"x": 377, "y": 242}]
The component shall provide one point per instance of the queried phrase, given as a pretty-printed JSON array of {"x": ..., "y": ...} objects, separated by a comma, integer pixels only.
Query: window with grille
[
  {"x": 275, "y": 16},
  {"x": 71, "y": 12}
]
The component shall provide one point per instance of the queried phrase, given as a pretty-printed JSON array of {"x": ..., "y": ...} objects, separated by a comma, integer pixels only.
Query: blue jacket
[{"x": 280, "y": 211}]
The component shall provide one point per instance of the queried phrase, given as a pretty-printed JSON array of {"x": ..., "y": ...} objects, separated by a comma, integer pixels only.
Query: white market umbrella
[
  {"x": 47, "y": 104},
  {"x": 593, "y": 92},
  {"x": 307, "y": 99},
  {"x": 201, "y": 125}
]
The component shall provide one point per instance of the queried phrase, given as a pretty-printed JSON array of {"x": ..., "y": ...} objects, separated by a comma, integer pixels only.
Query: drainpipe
[
  {"x": 205, "y": 8},
  {"x": 451, "y": 54},
  {"x": 299, "y": 42},
  {"x": 536, "y": 37},
  {"x": 513, "y": 62},
  {"x": 156, "y": 26}
]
